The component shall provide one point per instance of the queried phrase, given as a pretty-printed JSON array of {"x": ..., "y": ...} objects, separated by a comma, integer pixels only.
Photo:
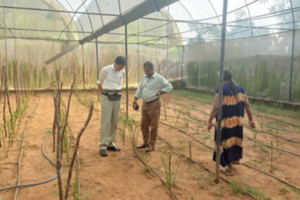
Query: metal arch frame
[
  {"x": 213, "y": 7},
  {"x": 229, "y": 12},
  {"x": 189, "y": 15},
  {"x": 72, "y": 18},
  {"x": 293, "y": 52},
  {"x": 99, "y": 12},
  {"x": 88, "y": 16},
  {"x": 250, "y": 18}
]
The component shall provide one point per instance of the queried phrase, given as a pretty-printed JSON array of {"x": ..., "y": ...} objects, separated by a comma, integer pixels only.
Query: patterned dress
[{"x": 232, "y": 128}]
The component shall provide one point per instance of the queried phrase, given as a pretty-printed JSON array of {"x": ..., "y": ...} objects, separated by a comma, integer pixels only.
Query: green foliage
[
  {"x": 170, "y": 175},
  {"x": 192, "y": 72}
]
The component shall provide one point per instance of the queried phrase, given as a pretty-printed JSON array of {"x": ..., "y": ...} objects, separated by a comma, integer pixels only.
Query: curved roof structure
[
  {"x": 192, "y": 21},
  {"x": 196, "y": 20}
]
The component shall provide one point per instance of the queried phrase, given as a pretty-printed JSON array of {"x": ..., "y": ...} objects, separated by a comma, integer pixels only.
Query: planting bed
[{"x": 182, "y": 130}]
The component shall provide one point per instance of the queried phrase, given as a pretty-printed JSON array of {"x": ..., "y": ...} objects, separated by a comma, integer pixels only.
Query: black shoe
[
  {"x": 114, "y": 148},
  {"x": 103, "y": 153}
]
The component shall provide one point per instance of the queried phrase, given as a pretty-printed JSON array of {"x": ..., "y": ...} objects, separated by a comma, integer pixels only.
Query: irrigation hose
[
  {"x": 22, "y": 147},
  {"x": 205, "y": 122},
  {"x": 138, "y": 157},
  {"x": 38, "y": 183},
  {"x": 155, "y": 173},
  {"x": 247, "y": 165},
  {"x": 243, "y": 163},
  {"x": 207, "y": 169}
]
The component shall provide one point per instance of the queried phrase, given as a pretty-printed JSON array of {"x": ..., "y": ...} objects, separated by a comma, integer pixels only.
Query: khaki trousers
[
  {"x": 150, "y": 118},
  {"x": 109, "y": 122}
]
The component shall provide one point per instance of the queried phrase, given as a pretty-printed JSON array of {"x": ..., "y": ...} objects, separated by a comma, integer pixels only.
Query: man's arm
[
  {"x": 101, "y": 79},
  {"x": 100, "y": 88},
  {"x": 137, "y": 95},
  {"x": 167, "y": 86}
]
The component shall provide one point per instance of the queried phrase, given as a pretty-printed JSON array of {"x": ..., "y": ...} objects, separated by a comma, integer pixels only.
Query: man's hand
[
  {"x": 160, "y": 93},
  {"x": 209, "y": 126},
  {"x": 252, "y": 124},
  {"x": 134, "y": 105}
]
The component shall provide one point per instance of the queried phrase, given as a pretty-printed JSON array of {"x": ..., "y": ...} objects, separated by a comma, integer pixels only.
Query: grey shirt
[{"x": 149, "y": 87}]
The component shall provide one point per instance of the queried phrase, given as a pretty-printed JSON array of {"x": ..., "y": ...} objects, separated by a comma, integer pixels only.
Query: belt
[
  {"x": 107, "y": 91},
  {"x": 151, "y": 101}
]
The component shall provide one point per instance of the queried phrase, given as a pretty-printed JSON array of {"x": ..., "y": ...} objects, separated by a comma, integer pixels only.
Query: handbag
[{"x": 114, "y": 96}]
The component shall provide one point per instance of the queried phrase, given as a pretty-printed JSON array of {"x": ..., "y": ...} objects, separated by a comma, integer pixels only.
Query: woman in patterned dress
[{"x": 234, "y": 102}]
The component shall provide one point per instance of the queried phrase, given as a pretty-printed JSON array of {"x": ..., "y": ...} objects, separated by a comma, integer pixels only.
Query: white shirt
[
  {"x": 110, "y": 79},
  {"x": 149, "y": 87}
]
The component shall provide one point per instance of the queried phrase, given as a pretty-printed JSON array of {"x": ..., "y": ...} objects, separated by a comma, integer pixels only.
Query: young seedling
[
  {"x": 190, "y": 152},
  {"x": 271, "y": 156},
  {"x": 165, "y": 108},
  {"x": 170, "y": 176},
  {"x": 277, "y": 139},
  {"x": 255, "y": 132},
  {"x": 178, "y": 115},
  {"x": 188, "y": 120}
]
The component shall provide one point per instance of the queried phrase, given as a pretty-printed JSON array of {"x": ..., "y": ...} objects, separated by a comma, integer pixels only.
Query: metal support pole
[
  {"x": 5, "y": 36},
  {"x": 221, "y": 90},
  {"x": 97, "y": 58},
  {"x": 167, "y": 63},
  {"x": 292, "y": 66},
  {"x": 182, "y": 63},
  {"x": 83, "y": 67},
  {"x": 126, "y": 56},
  {"x": 15, "y": 34},
  {"x": 138, "y": 67}
]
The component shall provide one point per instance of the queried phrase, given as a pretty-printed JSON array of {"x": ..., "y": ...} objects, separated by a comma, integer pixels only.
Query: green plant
[
  {"x": 277, "y": 139},
  {"x": 236, "y": 187},
  {"x": 190, "y": 152},
  {"x": 272, "y": 167},
  {"x": 170, "y": 176},
  {"x": 177, "y": 117},
  {"x": 263, "y": 149},
  {"x": 255, "y": 132},
  {"x": 99, "y": 191},
  {"x": 283, "y": 189},
  {"x": 207, "y": 136},
  {"x": 253, "y": 191}
]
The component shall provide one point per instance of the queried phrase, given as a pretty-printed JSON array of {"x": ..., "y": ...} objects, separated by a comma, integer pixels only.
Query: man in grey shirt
[{"x": 151, "y": 87}]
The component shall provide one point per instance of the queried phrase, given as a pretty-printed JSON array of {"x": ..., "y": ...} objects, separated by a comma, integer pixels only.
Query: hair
[
  {"x": 148, "y": 64},
  {"x": 228, "y": 77},
  {"x": 120, "y": 60}
]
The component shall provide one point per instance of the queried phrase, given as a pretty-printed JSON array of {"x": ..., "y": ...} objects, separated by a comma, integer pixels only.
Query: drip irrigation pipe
[
  {"x": 271, "y": 147},
  {"x": 23, "y": 145},
  {"x": 279, "y": 136},
  {"x": 269, "y": 133},
  {"x": 154, "y": 173},
  {"x": 207, "y": 169},
  {"x": 295, "y": 125},
  {"x": 138, "y": 157},
  {"x": 247, "y": 165},
  {"x": 38, "y": 183},
  {"x": 244, "y": 135}
]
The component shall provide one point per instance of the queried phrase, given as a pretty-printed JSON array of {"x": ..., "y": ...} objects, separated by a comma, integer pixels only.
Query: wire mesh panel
[
  {"x": 296, "y": 71},
  {"x": 261, "y": 64}
]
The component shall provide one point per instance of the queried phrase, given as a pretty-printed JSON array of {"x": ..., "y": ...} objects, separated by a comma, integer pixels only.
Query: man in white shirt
[
  {"x": 109, "y": 84},
  {"x": 151, "y": 87}
]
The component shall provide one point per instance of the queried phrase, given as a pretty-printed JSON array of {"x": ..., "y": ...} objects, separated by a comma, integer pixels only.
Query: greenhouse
[{"x": 53, "y": 99}]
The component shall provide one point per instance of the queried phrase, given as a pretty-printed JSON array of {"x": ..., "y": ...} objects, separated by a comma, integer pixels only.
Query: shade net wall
[
  {"x": 81, "y": 61},
  {"x": 258, "y": 47},
  {"x": 260, "y": 64}
]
